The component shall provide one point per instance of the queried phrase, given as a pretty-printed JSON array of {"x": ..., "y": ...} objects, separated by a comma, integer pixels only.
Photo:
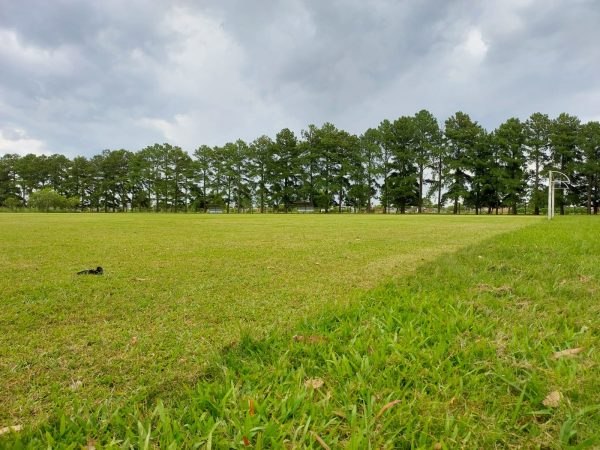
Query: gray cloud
[{"x": 78, "y": 77}]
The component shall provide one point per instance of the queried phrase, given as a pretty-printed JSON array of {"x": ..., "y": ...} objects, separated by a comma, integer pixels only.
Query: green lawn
[
  {"x": 184, "y": 286},
  {"x": 445, "y": 315}
]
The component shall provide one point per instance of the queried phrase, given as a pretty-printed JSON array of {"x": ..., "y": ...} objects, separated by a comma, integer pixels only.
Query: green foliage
[
  {"x": 565, "y": 151},
  {"x": 427, "y": 141},
  {"x": 509, "y": 141},
  {"x": 463, "y": 137},
  {"x": 12, "y": 203},
  {"x": 262, "y": 152},
  {"x": 537, "y": 130},
  {"x": 589, "y": 166},
  {"x": 47, "y": 199},
  {"x": 401, "y": 164},
  {"x": 285, "y": 169},
  {"x": 9, "y": 191},
  {"x": 402, "y": 181},
  {"x": 371, "y": 160}
]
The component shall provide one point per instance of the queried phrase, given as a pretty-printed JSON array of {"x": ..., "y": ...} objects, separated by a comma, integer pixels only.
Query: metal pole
[
  {"x": 551, "y": 190},
  {"x": 553, "y": 198},
  {"x": 550, "y": 186}
]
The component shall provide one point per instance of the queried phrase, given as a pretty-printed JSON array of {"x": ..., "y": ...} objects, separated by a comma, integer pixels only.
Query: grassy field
[
  {"x": 187, "y": 339},
  {"x": 181, "y": 287}
]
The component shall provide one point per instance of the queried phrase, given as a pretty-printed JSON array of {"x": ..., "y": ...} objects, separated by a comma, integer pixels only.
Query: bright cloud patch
[
  {"x": 16, "y": 141},
  {"x": 474, "y": 45}
]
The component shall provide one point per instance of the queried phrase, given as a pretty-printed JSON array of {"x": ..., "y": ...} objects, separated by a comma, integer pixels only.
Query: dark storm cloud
[
  {"x": 339, "y": 52},
  {"x": 81, "y": 76}
]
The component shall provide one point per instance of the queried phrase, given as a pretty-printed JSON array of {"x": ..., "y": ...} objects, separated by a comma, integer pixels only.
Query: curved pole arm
[{"x": 560, "y": 181}]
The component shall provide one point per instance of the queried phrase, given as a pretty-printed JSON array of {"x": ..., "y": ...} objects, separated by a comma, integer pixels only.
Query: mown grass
[
  {"x": 461, "y": 353},
  {"x": 177, "y": 289}
]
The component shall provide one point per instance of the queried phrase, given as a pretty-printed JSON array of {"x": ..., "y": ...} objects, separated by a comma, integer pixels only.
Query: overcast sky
[{"x": 77, "y": 77}]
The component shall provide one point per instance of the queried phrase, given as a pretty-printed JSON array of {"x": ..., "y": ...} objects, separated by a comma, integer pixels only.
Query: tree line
[{"x": 409, "y": 163}]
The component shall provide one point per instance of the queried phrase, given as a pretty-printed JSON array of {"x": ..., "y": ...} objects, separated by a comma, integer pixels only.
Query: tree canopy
[{"x": 403, "y": 164}]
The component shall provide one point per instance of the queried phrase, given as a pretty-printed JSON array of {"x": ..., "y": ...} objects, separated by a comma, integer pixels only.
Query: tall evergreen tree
[
  {"x": 371, "y": 157},
  {"x": 439, "y": 158},
  {"x": 111, "y": 170},
  {"x": 286, "y": 169},
  {"x": 240, "y": 165},
  {"x": 58, "y": 171},
  {"x": 139, "y": 185},
  {"x": 226, "y": 172},
  {"x": 510, "y": 139},
  {"x": 151, "y": 170},
  {"x": 310, "y": 157},
  {"x": 328, "y": 153},
  {"x": 261, "y": 164},
  {"x": 386, "y": 140},
  {"x": 565, "y": 154},
  {"x": 403, "y": 185},
  {"x": 346, "y": 157},
  {"x": 9, "y": 191},
  {"x": 590, "y": 164},
  {"x": 483, "y": 176},
  {"x": 427, "y": 140},
  {"x": 204, "y": 171},
  {"x": 462, "y": 135},
  {"x": 537, "y": 142},
  {"x": 179, "y": 176},
  {"x": 32, "y": 174}
]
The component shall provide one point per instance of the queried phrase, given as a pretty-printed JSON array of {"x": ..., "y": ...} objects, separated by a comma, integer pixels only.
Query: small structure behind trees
[
  {"x": 214, "y": 209},
  {"x": 305, "y": 208}
]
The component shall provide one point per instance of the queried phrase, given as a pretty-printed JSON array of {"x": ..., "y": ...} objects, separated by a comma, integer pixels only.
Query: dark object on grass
[{"x": 97, "y": 271}]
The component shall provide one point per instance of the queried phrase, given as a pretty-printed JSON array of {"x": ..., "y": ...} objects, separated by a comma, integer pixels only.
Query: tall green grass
[{"x": 460, "y": 354}]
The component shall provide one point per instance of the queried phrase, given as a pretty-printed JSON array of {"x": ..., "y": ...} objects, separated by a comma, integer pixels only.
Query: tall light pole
[{"x": 551, "y": 186}]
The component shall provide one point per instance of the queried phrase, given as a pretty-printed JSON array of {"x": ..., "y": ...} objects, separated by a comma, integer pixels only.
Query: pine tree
[
  {"x": 565, "y": 154},
  {"x": 510, "y": 139},
  {"x": 537, "y": 141}
]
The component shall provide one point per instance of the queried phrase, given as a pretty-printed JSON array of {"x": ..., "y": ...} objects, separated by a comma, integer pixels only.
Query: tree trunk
[
  {"x": 262, "y": 200},
  {"x": 156, "y": 196},
  {"x": 385, "y": 184},
  {"x": 589, "y": 196},
  {"x": 204, "y": 192},
  {"x": 176, "y": 196},
  {"x": 596, "y": 192},
  {"x": 439, "y": 202},
  {"x": 228, "y": 197}
]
